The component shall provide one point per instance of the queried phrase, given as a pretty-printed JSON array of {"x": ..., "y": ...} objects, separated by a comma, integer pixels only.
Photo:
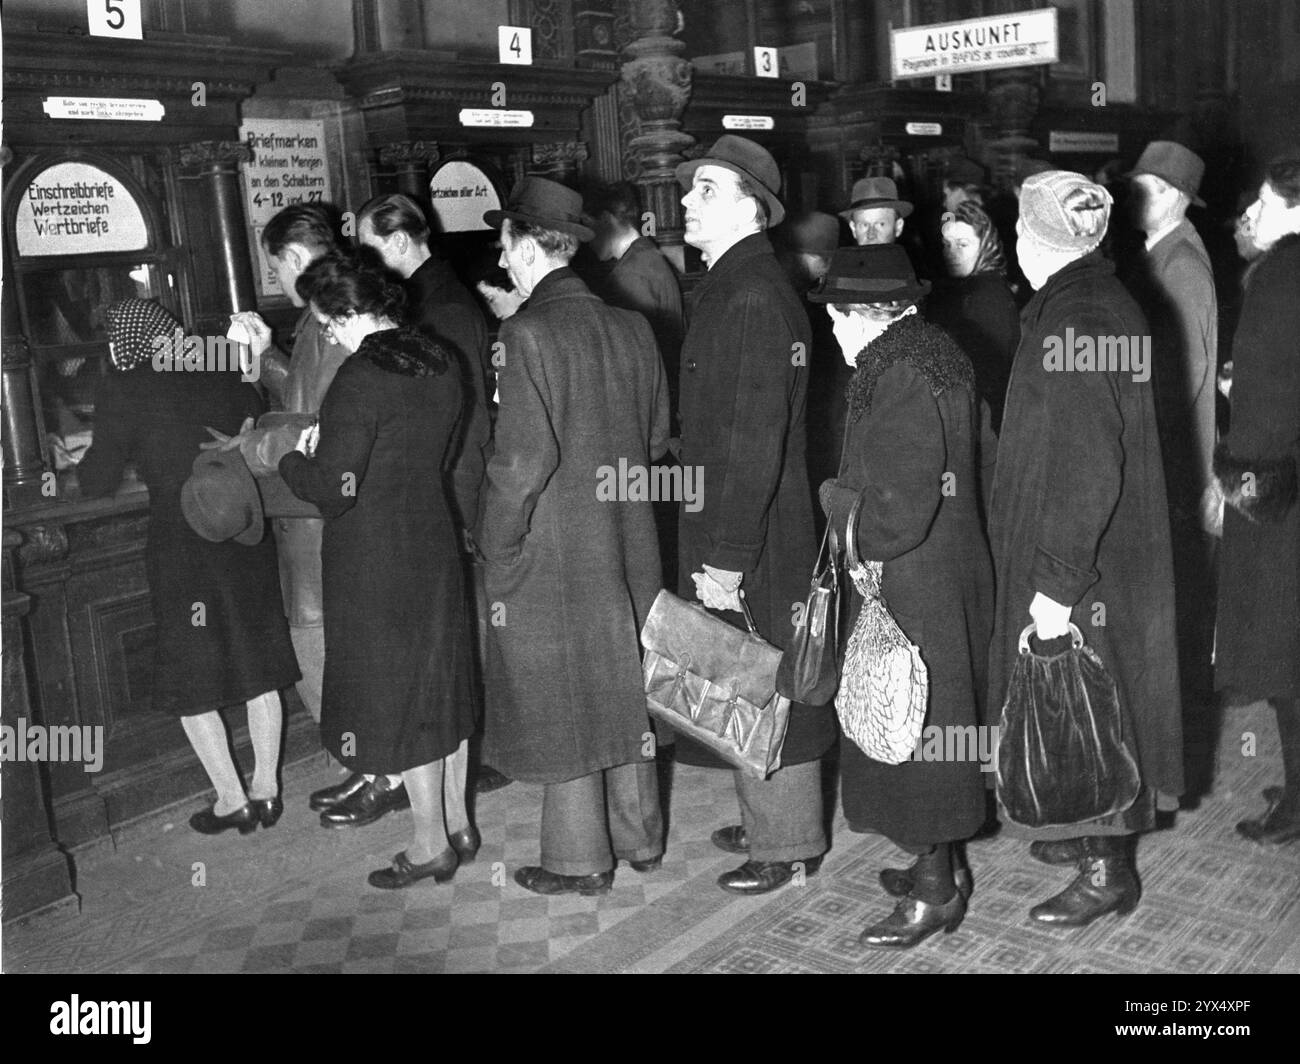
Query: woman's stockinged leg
[
  {"x": 265, "y": 727},
  {"x": 424, "y": 786},
  {"x": 455, "y": 774},
  {"x": 207, "y": 734}
]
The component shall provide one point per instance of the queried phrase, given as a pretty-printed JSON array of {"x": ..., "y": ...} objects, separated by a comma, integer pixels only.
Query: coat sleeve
[
  {"x": 112, "y": 441},
  {"x": 902, "y": 454},
  {"x": 750, "y": 460},
  {"x": 527, "y": 451},
  {"x": 464, "y": 328},
  {"x": 1194, "y": 312},
  {"x": 332, "y": 478},
  {"x": 660, "y": 426}
]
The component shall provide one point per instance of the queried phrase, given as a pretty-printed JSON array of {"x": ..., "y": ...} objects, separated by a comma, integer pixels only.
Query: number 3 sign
[{"x": 114, "y": 18}]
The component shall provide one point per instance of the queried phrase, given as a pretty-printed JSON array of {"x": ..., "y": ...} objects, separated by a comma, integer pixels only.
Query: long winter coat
[
  {"x": 744, "y": 391},
  {"x": 571, "y": 572},
  {"x": 242, "y": 649},
  {"x": 979, "y": 312},
  {"x": 1079, "y": 512},
  {"x": 1258, "y": 639},
  {"x": 397, "y": 688},
  {"x": 910, "y": 453}
]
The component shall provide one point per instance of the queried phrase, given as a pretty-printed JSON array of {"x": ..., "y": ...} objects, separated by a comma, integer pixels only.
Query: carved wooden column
[
  {"x": 559, "y": 160},
  {"x": 658, "y": 80},
  {"x": 412, "y": 165}
]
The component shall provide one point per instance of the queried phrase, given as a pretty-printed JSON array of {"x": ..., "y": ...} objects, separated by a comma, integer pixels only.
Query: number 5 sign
[
  {"x": 515, "y": 44},
  {"x": 114, "y": 18}
]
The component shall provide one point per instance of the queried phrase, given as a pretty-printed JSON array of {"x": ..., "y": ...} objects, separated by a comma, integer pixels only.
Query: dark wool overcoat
[
  {"x": 1258, "y": 642},
  {"x": 980, "y": 313},
  {"x": 1079, "y": 512},
  {"x": 744, "y": 392},
  {"x": 242, "y": 649},
  {"x": 397, "y": 689},
  {"x": 572, "y": 559},
  {"x": 911, "y": 456}
]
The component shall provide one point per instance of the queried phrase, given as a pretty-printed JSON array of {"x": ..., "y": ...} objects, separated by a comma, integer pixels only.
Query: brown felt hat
[
  {"x": 1171, "y": 162},
  {"x": 873, "y": 273},
  {"x": 869, "y": 192},
  {"x": 220, "y": 499},
  {"x": 741, "y": 156},
  {"x": 546, "y": 203}
]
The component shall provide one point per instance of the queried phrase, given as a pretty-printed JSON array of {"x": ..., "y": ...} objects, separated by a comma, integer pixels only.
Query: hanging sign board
[
  {"x": 992, "y": 43},
  {"x": 748, "y": 122},
  {"x": 1072, "y": 140},
  {"x": 494, "y": 116},
  {"x": 287, "y": 164},
  {"x": 460, "y": 192},
  {"x": 114, "y": 18},
  {"x": 924, "y": 129},
  {"x": 103, "y": 108},
  {"x": 78, "y": 209}
]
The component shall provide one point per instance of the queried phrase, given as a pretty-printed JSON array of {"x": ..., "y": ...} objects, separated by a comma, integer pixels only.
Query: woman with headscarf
[
  {"x": 1079, "y": 523},
  {"x": 909, "y": 455},
  {"x": 220, "y": 635},
  {"x": 976, "y": 306}
]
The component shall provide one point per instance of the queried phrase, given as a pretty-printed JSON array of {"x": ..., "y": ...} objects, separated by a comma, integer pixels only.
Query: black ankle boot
[
  {"x": 1281, "y": 820},
  {"x": 1057, "y": 851},
  {"x": 1107, "y": 883}
]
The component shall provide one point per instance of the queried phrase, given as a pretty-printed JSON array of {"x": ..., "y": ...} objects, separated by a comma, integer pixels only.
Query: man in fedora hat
[
  {"x": 1174, "y": 284},
  {"x": 744, "y": 389},
  {"x": 876, "y": 214},
  {"x": 571, "y": 573}
]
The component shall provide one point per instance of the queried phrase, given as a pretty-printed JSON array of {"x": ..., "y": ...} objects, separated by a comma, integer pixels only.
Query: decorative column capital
[
  {"x": 210, "y": 155},
  {"x": 559, "y": 154},
  {"x": 412, "y": 153}
]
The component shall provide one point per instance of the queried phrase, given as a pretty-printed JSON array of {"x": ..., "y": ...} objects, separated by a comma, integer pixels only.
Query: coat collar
[
  {"x": 739, "y": 257},
  {"x": 1093, "y": 266},
  {"x": 559, "y": 284},
  {"x": 431, "y": 275}
]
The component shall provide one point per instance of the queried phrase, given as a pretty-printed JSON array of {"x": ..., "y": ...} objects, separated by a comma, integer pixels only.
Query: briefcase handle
[{"x": 749, "y": 617}]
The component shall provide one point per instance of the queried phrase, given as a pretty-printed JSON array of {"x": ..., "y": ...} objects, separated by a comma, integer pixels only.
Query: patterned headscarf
[
  {"x": 133, "y": 326},
  {"x": 990, "y": 258}
]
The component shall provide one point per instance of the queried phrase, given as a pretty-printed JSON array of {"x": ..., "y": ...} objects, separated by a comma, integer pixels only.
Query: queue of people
[{"x": 994, "y": 490}]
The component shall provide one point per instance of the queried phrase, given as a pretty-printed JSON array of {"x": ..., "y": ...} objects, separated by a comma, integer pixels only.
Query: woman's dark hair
[
  {"x": 1283, "y": 173},
  {"x": 340, "y": 283}
]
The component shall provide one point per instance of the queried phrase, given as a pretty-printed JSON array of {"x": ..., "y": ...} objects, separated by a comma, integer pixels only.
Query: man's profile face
[
  {"x": 876, "y": 225},
  {"x": 715, "y": 210},
  {"x": 288, "y": 267},
  {"x": 385, "y": 245}
]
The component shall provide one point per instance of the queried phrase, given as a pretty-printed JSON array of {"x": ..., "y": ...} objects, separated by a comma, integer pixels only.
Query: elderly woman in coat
[
  {"x": 1079, "y": 524},
  {"x": 1255, "y": 467},
  {"x": 909, "y": 455}
]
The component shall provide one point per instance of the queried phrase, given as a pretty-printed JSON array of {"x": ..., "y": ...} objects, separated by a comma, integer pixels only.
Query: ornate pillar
[
  {"x": 558, "y": 160},
  {"x": 1013, "y": 103},
  {"x": 412, "y": 165},
  {"x": 211, "y": 170},
  {"x": 658, "y": 80}
]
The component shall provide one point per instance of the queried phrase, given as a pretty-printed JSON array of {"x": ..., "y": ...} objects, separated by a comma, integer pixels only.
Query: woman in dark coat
[
  {"x": 910, "y": 456},
  {"x": 1258, "y": 641},
  {"x": 155, "y": 413},
  {"x": 1079, "y": 525},
  {"x": 397, "y": 693},
  {"x": 976, "y": 306}
]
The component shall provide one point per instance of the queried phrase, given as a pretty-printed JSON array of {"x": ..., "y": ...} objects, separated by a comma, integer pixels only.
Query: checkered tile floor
[{"x": 295, "y": 899}]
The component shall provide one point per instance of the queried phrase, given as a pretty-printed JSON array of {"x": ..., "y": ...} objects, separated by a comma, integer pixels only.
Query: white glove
[
  {"x": 308, "y": 440},
  {"x": 1051, "y": 619},
  {"x": 719, "y": 589}
]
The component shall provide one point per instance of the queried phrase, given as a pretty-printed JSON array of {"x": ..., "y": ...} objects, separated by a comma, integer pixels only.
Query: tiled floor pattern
[{"x": 294, "y": 899}]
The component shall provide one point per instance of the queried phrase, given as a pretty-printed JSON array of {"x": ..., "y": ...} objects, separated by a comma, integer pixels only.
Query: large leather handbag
[
  {"x": 715, "y": 683},
  {"x": 884, "y": 685},
  {"x": 810, "y": 668},
  {"x": 1063, "y": 755}
]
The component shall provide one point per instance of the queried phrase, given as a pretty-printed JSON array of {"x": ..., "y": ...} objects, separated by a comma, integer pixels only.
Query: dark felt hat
[
  {"x": 220, "y": 499},
  {"x": 870, "y": 192},
  {"x": 963, "y": 171},
  {"x": 1179, "y": 166},
  {"x": 741, "y": 156},
  {"x": 546, "y": 203},
  {"x": 813, "y": 233},
  {"x": 873, "y": 273}
]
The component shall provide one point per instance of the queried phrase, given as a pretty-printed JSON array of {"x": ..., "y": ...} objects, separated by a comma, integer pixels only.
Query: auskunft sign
[{"x": 992, "y": 43}]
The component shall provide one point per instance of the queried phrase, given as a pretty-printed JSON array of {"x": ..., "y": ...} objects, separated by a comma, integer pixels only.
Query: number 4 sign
[
  {"x": 515, "y": 44},
  {"x": 114, "y": 18}
]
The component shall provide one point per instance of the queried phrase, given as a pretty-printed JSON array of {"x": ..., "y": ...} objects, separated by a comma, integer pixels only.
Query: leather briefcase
[{"x": 715, "y": 683}]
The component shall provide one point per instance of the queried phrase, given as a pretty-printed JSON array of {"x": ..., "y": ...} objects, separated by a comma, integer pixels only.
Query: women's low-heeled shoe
[
  {"x": 207, "y": 822},
  {"x": 466, "y": 843},
  {"x": 1278, "y": 825},
  {"x": 268, "y": 810},
  {"x": 403, "y": 873},
  {"x": 913, "y": 921},
  {"x": 540, "y": 881}
]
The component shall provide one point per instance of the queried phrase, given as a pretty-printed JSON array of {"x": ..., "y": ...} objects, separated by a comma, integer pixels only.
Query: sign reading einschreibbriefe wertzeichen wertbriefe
[
  {"x": 287, "y": 164},
  {"x": 993, "y": 43},
  {"x": 77, "y": 209}
]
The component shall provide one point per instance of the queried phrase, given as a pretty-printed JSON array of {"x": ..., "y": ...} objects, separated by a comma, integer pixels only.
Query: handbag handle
[
  {"x": 851, "y": 559},
  {"x": 1076, "y": 637}
]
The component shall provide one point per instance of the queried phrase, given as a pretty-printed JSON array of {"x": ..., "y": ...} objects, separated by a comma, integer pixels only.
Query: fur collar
[
  {"x": 927, "y": 348},
  {"x": 406, "y": 351}
]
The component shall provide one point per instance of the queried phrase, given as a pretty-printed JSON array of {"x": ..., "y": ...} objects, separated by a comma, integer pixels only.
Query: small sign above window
[
  {"x": 104, "y": 108},
  {"x": 77, "y": 209},
  {"x": 748, "y": 122},
  {"x": 492, "y": 116}
]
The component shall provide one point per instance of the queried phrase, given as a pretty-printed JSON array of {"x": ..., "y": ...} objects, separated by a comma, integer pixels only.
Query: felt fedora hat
[
  {"x": 220, "y": 499},
  {"x": 1171, "y": 162},
  {"x": 869, "y": 192},
  {"x": 963, "y": 171},
  {"x": 741, "y": 156},
  {"x": 541, "y": 201},
  {"x": 873, "y": 273},
  {"x": 812, "y": 233}
]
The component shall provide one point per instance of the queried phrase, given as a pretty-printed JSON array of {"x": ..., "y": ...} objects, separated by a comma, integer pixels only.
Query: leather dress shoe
[
  {"x": 207, "y": 822},
  {"x": 761, "y": 877},
  {"x": 366, "y": 806},
  {"x": 1057, "y": 851},
  {"x": 732, "y": 839},
  {"x": 466, "y": 843},
  {"x": 268, "y": 810},
  {"x": 913, "y": 921},
  {"x": 898, "y": 881},
  {"x": 650, "y": 864},
  {"x": 1277, "y": 825},
  {"x": 540, "y": 881},
  {"x": 1106, "y": 883},
  {"x": 488, "y": 779},
  {"x": 402, "y": 873},
  {"x": 329, "y": 797}
]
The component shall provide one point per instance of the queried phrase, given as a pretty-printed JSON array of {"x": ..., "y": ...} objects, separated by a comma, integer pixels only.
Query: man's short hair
[
  {"x": 1283, "y": 173},
  {"x": 395, "y": 213},
  {"x": 747, "y": 188},
  {"x": 313, "y": 225},
  {"x": 619, "y": 200},
  {"x": 553, "y": 243}
]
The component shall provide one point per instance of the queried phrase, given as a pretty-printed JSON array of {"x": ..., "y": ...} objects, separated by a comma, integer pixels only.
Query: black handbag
[
  {"x": 809, "y": 670},
  {"x": 1062, "y": 753}
]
